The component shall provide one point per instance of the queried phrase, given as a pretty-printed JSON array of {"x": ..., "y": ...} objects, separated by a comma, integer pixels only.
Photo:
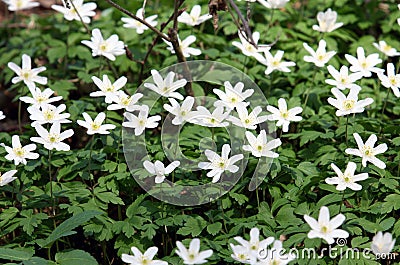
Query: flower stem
[
  {"x": 51, "y": 185},
  {"x": 258, "y": 199},
  {"x": 347, "y": 123},
  {"x": 90, "y": 155},
  {"x": 308, "y": 90},
  {"x": 19, "y": 111},
  {"x": 341, "y": 203}
]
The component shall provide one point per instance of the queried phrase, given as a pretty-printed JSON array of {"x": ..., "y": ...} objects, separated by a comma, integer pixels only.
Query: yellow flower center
[
  {"x": 276, "y": 262},
  {"x": 250, "y": 48},
  {"x": 25, "y": 74},
  {"x": 19, "y": 4},
  {"x": 213, "y": 120},
  {"x": 19, "y": 151},
  {"x": 103, "y": 47},
  {"x": 259, "y": 148},
  {"x": 40, "y": 99},
  {"x": 275, "y": 63},
  {"x": 95, "y": 126},
  {"x": 348, "y": 104},
  {"x": 48, "y": 115},
  {"x": 142, "y": 122},
  {"x": 253, "y": 247},
  {"x": 368, "y": 151},
  {"x": 347, "y": 178},
  {"x": 285, "y": 114},
  {"x": 233, "y": 100},
  {"x": 191, "y": 256},
  {"x": 324, "y": 229},
  {"x": 53, "y": 138},
  {"x": 364, "y": 65},
  {"x": 386, "y": 48},
  {"x": 125, "y": 101},
  {"x": 183, "y": 113},
  {"x": 145, "y": 261},
  {"x": 247, "y": 121},
  {"x": 343, "y": 80},
  {"x": 110, "y": 89},
  {"x": 392, "y": 80},
  {"x": 242, "y": 256},
  {"x": 320, "y": 57}
]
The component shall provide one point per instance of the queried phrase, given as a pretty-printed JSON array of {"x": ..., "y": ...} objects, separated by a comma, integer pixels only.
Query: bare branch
[{"x": 246, "y": 28}]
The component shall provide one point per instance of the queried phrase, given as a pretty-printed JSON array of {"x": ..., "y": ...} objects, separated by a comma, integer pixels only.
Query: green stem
[
  {"x": 90, "y": 155},
  {"x": 19, "y": 110},
  {"x": 258, "y": 199},
  {"x": 51, "y": 185},
  {"x": 347, "y": 122},
  {"x": 341, "y": 203},
  {"x": 308, "y": 89}
]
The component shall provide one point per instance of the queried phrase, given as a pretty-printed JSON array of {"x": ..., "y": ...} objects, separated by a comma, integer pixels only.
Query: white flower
[
  {"x": 108, "y": 48},
  {"x": 283, "y": 115},
  {"x": 248, "y": 49},
  {"x": 194, "y": 18},
  {"x": 232, "y": 95},
  {"x": 367, "y": 150},
  {"x": 142, "y": 121},
  {"x": 275, "y": 62},
  {"x": 346, "y": 179},
  {"x": 53, "y": 139},
  {"x": 20, "y": 153},
  {"x": 95, "y": 126},
  {"x": 26, "y": 74},
  {"x": 159, "y": 170},
  {"x": 350, "y": 104},
  {"x": 48, "y": 114},
  {"x": 139, "y": 258},
  {"x": 319, "y": 57},
  {"x": 39, "y": 99},
  {"x": 123, "y": 101},
  {"x": 205, "y": 118},
  {"x": 326, "y": 228},
  {"x": 273, "y": 4},
  {"x": 166, "y": 87},
  {"x": 327, "y": 21},
  {"x": 2, "y": 116},
  {"x": 219, "y": 164},
  {"x": 363, "y": 64},
  {"x": 107, "y": 89},
  {"x": 140, "y": 27},
  {"x": 342, "y": 79},
  {"x": 247, "y": 120},
  {"x": 70, "y": 13},
  {"x": 254, "y": 245},
  {"x": 276, "y": 255},
  {"x": 184, "y": 45},
  {"x": 259, "y": 146},
  {"x": 386, "y": 49},
  {"x": 391, "y": 79},
  {"x": 182, "y": 112},
  {"x": 242, "y": 254},
  {"x": 7, "y": 177},
  {"x": 193, "y": 255},
  {"x": 16, "y": 5},
  {"x": 382, "y": 243}
]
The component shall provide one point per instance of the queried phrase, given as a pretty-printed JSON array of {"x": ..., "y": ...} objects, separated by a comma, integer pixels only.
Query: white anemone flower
[
  {"x": 260, "y": 146},
  {"x": 273, "y": 4},
  {"x": 248, "y": 49},
  {"x": 350, "y": 104},
  {"x": 327, "y": 21},
  {"x": 284, "y": 115},
  {"x": 26, "y": 74},
  {"x": 182, "y": 112},
  {"x": 326, "y": 228},
  {"x": 70, "y": 13},
  {"x": 123, "y": 101},
  {"x": 139, "y": 26},
  {"x": 7, "y": 177},
  {"x": 166, "y": 87},
  {"x": 18, "y": 153},
  {"x": 16, "y": 5},
  {"x": 319, "y": 57},
  {"x": 367, "y": 151},
  {"x": 347, "y": 179},
  {"x": 159, "y": 170},
  {"x": 254, "y": 246},
  {"x": 194, "y": 18},
  {"x": 391, "y": 79},
  {"x": 48, "y": 114},
  {"x": 193, "y": 255},
  {"x": 108, "y": 48},
  {"x": 385, "y": 48},
  {"x": 40, "y": 98},
  {"x": 219, "y": 164},
  {"x": 108, "y": 89},
  {"x": 140, "y": 258},
  {"x": 205, "y": 118},
  {"x": 53, "y": 139},
  {"x": 365, "y": 65},
  {"x": 275, "y": 63},
  {"x": 96, "y": 126},
  {"x": 2, "y": 116},
  {"x": 242, "y": 254},
  {"x": 382, "y": 244},
  {"x": 247, "y": 120},
  {"x": 184, "y": 45},
  {"x": 142, "y": 121},
  {"x": 343, "y": 79},
  {"x": 232, "y": 95}
]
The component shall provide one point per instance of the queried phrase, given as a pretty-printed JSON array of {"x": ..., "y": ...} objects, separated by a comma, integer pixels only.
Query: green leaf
[
  {"x": 392, "y": 202},
  {"x": 75, "y": 257},
  {"x": 65, "y": 228},
  {"x": 31, "y": 221},
  {"x": 13, "y": 254},
  {"x": 214, "y": 228},
  {"x": 193, "y": 226}
]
